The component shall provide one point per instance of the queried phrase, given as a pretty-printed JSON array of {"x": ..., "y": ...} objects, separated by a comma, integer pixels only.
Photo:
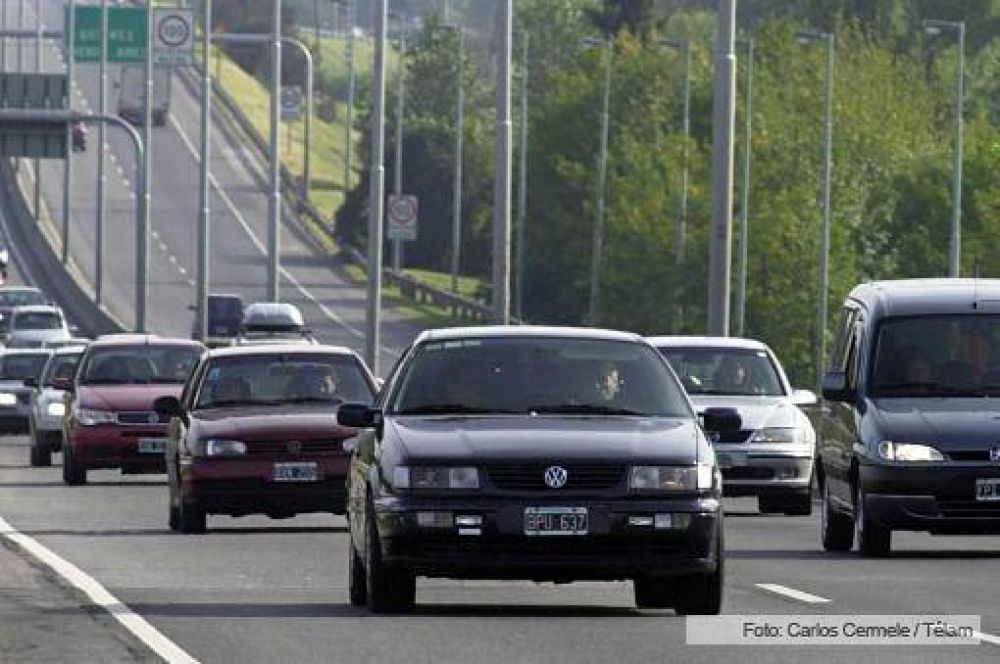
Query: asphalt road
[
  {"x": 332, "y": 305},
  {"x": 257, "y": 590}
]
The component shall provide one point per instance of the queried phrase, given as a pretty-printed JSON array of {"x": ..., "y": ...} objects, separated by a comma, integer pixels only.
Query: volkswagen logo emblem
[
  {"x": 555, "y": 477},
  {"x": 294, "y": 447},
  {"x": 995, "y": 454}
]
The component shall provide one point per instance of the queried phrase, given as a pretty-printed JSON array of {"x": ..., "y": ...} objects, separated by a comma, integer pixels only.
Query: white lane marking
[
  {"x": 182, "y": 270},
  {"x": 191, "y": 283},
  {"x": 172, "y": 259},
  {"x": 155, "y": 234},
  {"x": 163, "y": 247},
  {"x": 263, "y": 250},
  {"x": 792, "y": 593},
  {"x": 100, "y": 596},
  {"x": 987, "y": 638}
]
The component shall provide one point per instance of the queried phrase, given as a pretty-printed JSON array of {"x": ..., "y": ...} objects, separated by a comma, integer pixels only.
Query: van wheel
[
  {"x": 652, "y": 593},
  {"x": 388, "y": 589},
  {"x": 191, "y": 518},
  {"x": 837, "y": 529},
  {"x": 874, "y": 541},
  {"x": 701, "y": 594}
]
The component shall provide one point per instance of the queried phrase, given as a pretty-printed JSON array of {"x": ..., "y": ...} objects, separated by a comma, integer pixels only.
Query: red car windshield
[{"x": 124, "y": 365}]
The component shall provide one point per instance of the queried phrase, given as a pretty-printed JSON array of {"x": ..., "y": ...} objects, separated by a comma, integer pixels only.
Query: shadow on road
[
  {"x": 59, "y": 483},
  {"x": 820, "y": 555},
  {"x": 311, "y": 610}
]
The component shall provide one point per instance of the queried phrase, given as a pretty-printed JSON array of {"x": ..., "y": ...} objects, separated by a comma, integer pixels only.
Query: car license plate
[
  {"x": 988, "y": 490},
  {"x": 731, "y": 459},
  {"x": 294, "y": 472},
  {"x": 555, "y": 521},
  {"x": 152, "y": 445}
]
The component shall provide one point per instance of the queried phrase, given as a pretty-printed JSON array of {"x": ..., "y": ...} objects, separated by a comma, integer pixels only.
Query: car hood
[
  {"x": 125, "y": 397},
  {"x": 544, "y": 438},
  {"x": 756, "y": 412},
  {"x": 949, "y": 424},
  {"x": 270, "y": 423}
]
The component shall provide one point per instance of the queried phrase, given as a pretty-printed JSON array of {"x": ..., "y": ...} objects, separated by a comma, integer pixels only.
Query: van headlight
[
  {"x": 908, "y": 452},
  {"x": 778, "y": 435}
]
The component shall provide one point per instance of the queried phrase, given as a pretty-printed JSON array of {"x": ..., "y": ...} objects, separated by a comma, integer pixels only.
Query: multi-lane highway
[{"x": 257, "y": 590}]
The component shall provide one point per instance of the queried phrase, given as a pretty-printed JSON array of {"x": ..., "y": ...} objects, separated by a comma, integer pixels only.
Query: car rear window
[
  {"x": 38, "y": 320},
  {"x": 20, "y": 298},
  {"x": 18, "y": 366},
  {"x": 124, "y": 365}
]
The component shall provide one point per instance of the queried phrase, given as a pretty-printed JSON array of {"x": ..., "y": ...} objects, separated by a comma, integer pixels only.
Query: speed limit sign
[
  {"x": 173, "y": 36},
  {"x": 402, "y": 217}
]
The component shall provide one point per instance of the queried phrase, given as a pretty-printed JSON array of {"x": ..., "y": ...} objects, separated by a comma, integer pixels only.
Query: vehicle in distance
[
  {"x": 225, "y": 314},
  {"x": 546, "y": 454},
  {"x": 21, "y": 296},
  {"x": 132, "y": 94},
  {"x": 16, "y": 365},
  {"x": 37, "y": 326},
  {"x": 771, "y": 456},
  {"x": 111, "y": 421},
  {"x": 910, "y": 438},
  {"x": 273, "y": 323},
  {"x": 48, "y": 403},
  {"x": 255, "y": 432}
]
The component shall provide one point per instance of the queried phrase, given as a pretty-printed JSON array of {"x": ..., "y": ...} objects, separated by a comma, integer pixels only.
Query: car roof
[
  {"x": 68, "y": 350},
  {"x": 910, "y": 297},
  {"x": 112, "y": 340},
  {"x": 19, "y": 289},
  {"x": 36, "y": 309},
  {"x": 740, "y": 343},
  {"x": 26, "y": 351},
  {"x": 526, "y": 331},
  {"x": 271, "y": 349}
]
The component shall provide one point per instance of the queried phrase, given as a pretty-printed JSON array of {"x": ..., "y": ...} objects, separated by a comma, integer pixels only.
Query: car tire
[
  {"x": 874, "y": 540},
  {"x": 387, "y": 589},
  {"x": 651, "y": 593},
  {"x": 799, "y": 504},
  {"x": 191, "y": 518},
  {"x": 837, "y": 529},
  {"x": 40, "y": 456},
  {"x": 701, "y": 594},
  {"x": 74, "y": 474},
  {"x": 769, "y": 505},
  {"x": 357, "y": 587}
]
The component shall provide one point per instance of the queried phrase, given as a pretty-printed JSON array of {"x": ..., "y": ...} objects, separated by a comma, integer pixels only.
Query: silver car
[
  {"x": 37, "y": 326},
  {"x": 772, "y": 455},
  {"x": 17, "y": 365},
  {"x": 48, "y": 404}
]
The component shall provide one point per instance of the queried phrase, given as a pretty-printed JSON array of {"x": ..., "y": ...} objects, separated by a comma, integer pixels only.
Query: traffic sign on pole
[
  {"x": 402, "y": 217},
  {"x": 291, "y": 103},
  {"x": 173, "y": 37},
  {"x": 127, "y": 34}
]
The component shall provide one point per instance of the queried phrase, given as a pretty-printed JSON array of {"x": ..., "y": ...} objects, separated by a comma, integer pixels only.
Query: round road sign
[
  {"x": 173, "y": 30},
  {"x": 403, "y": 210}
]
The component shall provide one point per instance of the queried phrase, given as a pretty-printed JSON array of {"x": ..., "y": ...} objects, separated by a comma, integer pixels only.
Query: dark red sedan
[
  {"x": 111, "y": 422},
  {"x": 255, "y": 432}
]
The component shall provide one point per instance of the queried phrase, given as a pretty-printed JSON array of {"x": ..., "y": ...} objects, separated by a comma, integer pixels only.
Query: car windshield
[
  {"x": 725, "y": 371},
  {"x": 123, "y": 365},
  {"x": 276, "y": 379},
  {"x": 937, "y": 356},
  {"x": 38, "y": 320},
  {"x": 20, "y": 298},
  {"x": 18, "y": 366},
  {"x": 537, "y": 375},
  {"x": 60, "y": 367}
]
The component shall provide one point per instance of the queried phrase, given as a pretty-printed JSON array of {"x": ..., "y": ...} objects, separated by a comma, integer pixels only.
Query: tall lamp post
[
  {"x": 376, "y": 192},
  {"x": 522, "y": 180},
  {"x": 826, "y": 38},
  {"x": 741, "y": 286},
  {"x": 456, "y": 195},
  {"x": 397, "y": 244},
  {"x": 934, "y": 28},
  {"x": 680, "y": 250},
  {"x": 502, "y": 164},
  {"x": 602, "y": 173}
]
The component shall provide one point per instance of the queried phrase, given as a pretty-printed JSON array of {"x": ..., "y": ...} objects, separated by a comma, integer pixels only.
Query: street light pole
[
  {"x": 142, "y": 233},
  {"x": 349, "y": 134},
  {"x": 522, "y": 181},
  {"x": 204, "y": 190},
  {"x": 935, "y": 27},
  {"x": 38, "y": 70},
  {"x": 824, "y": 260},
  {"x": 456, "y": 196},
  {"x": 101, "y": 175},
  {"x": 376, "y": 191},
  {"x": 68, "y": 163},
  {"x": 741, "y": 293},
  {"x": 397, "y": 244},
  {"x": 502, "y": 180},
  {"x": 274, "y": 192},
  {"x": 597, "y": 240}
]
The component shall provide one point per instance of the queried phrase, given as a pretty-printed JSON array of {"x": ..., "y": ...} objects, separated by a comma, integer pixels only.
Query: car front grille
[
  {"x": 293, "y": 447},
  {"x": 141, "y": 418},
  {"x": 531, "y": 477}
]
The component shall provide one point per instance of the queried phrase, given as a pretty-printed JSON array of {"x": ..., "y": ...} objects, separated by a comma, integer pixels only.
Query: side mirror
[
  {"x": 722, "y": 419},
  {"x": 168, "y": 407},
  {"x": 359, "y": 416},
  {"x": 74, "y": 330},
  {"x": 803, "y": 398},
  {"x": 31, "y": 381},
  {"x": 835, "y": 387}
]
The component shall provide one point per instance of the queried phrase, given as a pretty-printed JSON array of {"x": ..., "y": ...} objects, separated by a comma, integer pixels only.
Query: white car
[
  {"x": 48, "y": 403},
  {"x": 772, "y": 455},
  {"x": 38, "y": 326}
]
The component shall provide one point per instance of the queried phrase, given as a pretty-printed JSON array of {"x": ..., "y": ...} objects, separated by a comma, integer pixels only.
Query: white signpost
[
  {"x": 173, "y": 37},
  {"x": 402, "y": 217},
  {"x": 291, "y": 103}
]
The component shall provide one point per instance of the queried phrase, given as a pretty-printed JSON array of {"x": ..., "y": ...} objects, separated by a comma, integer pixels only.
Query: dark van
[
  {"x": 911, "y": 437},
  {"x": 225, "y": 313}
]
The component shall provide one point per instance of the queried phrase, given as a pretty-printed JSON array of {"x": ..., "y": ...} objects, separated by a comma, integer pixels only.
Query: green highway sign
[{"x": 127, "y": 34}]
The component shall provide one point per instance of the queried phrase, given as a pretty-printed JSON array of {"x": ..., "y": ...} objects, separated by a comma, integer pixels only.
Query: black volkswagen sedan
[{"x": 545, "y": 454}]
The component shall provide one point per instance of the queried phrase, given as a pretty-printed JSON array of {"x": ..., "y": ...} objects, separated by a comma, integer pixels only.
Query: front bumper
[
  {"x": 939, "y": 499},
  {"x": 117, "y": 446},
  {"x": 499, "y": 549},
  {"x": 764, "y": 469}
]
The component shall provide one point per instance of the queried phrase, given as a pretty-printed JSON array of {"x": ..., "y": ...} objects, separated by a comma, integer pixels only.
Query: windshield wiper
[
  {"x": 583, "y": 409},
  {"x": 449, "y": 409}
]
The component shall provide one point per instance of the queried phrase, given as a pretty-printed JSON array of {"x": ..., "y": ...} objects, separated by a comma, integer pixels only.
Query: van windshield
[{"x": 938, "y": 356}]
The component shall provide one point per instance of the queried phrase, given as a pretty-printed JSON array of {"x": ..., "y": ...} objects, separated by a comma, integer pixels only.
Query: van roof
[{"x": 913, "y": 297}]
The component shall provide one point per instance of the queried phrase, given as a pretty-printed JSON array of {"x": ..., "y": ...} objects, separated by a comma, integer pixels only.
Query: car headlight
[
  {"x": 913, "y": 452},
  {"x": 672, "y": 478},
  {"x": 89, "y": 417},
  {"x": 777, "y": 435},
  {"x": 8, "y": 399},
  {"x": 223, "y": 447},
  {"x": 55, "y": 409},
  {"x": 435, "y": 477}
]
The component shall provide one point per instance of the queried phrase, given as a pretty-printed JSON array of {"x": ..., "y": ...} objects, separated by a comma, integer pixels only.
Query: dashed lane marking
[{"x": 792, "y": 593}]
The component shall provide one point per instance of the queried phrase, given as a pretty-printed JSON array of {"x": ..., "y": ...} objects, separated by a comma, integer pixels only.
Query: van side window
[
  {"x": 853, "y": 351},
  {"x": 842, "y": 344}
]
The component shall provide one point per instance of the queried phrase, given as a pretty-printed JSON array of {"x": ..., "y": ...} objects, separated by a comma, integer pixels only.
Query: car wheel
[
  {"x": 874, "y": 541},
  {"x": 40, "y": 455},
  {"x": 654, "y": 593},
  {"x": 799, "y": 504},
  {"x": 701, "y": 594},
  {"x": 769, "y": 505},
  {"x": 837, "y": 529},
  {"x": 387, "y": 589},
  {"x": 191, "y": 518},
  {"x": 356, "y": 581},
  {"x": 74, "y": 474}
]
